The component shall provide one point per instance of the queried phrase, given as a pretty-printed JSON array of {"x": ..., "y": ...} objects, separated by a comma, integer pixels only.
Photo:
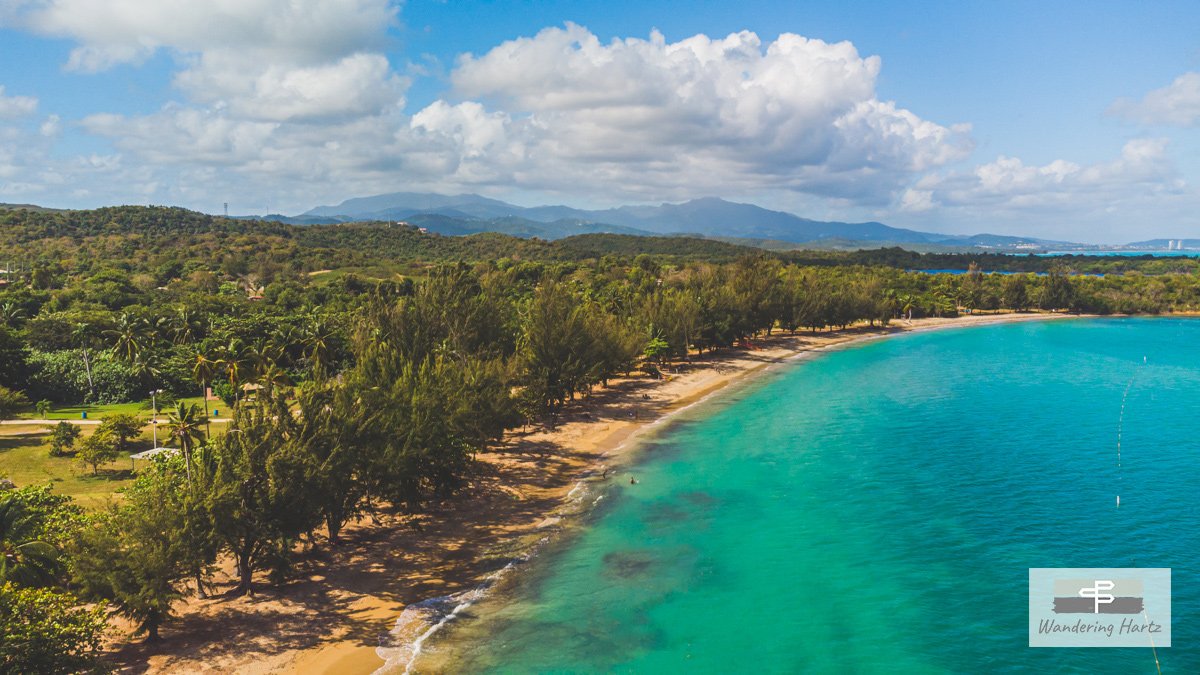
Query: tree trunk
[
  {"x": 246, "y": 572},
  {"x": 200, "y": 586},
  {"x": 207, "y": 428},
  {"x": 87, "y": 367},
  {"x": 334, "y": 527}
]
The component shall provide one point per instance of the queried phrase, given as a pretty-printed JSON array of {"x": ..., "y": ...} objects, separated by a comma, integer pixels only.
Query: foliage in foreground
[{"x": 45, "y": 631}]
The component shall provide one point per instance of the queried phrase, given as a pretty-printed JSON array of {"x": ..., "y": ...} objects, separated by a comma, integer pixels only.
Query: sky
[{"x": 1076, "y": 121}]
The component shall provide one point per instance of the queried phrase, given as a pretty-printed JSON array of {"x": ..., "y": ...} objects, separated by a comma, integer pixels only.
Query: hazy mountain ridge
[{"x": 708, "y": 217}]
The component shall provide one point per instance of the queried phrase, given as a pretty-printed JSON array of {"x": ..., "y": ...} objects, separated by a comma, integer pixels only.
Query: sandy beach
[{"x": 332, "y": 618}]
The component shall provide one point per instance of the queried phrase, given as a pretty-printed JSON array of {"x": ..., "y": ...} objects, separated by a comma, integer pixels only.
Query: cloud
[
  {"x": 358, "y": 84},
  {"x": 1143, "y": 171},
  {"x": 130, "y": 31},
  {"x": 51, "y": 126},
  {"x": 264, "y": 59},
  {"x": 184, "y": 135},
  {"x": 16, "y": 106},
  {"x": 651, "y": 118},
  {"x": 558, "y": 113},
  {"x": 1177, "y": 104}
]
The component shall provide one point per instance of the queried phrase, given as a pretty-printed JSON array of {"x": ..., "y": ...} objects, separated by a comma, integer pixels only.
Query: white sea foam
[
  {"x": 419, "y": 621},
  {"x": 577, "y": 492}
]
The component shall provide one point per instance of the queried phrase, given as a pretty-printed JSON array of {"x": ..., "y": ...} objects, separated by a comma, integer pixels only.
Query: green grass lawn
[
  {"x": 97, "y": 412},
  {"x": 25, "y": 451},
  {"x": 25, "y": 459}
]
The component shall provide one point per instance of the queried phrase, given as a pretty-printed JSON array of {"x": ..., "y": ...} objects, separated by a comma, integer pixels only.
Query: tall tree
[
  {"x": 135, "y": 554},
  {"x": 129, "y": 337},
  {"x": 257, "y": 498},
  {"x": 204, "y": 369},
  {"x": 328, "y": 434},
  {"x": 84, "y": 337},
  {"x": 184, "y": 424}
]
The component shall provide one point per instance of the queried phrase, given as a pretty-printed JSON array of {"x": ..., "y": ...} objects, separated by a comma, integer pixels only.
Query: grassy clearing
[
  {"x": 97, "y": 412},
  {"x": 25, "y": 459}
]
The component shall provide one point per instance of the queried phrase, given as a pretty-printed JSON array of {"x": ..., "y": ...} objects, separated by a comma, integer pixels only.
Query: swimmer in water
[{"x": 632, "y": 480}]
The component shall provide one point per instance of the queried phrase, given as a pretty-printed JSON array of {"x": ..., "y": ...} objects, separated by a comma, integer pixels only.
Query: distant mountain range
[{"x": 709, "y": 217}]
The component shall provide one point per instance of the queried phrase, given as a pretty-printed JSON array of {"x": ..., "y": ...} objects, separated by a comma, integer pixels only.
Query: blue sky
[{"x": 1063, "y": 120}]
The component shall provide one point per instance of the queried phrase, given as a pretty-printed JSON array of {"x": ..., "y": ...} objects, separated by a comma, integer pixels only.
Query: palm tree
[
  {"x": 317, "y": 342},
  {"x": 204, "y": 370},
  {"x": 129, "y": 337},
  {"x": 23, "y": 559},
  {"x": 11, "y": 313},
  {"x": 184, "y": 325},
  {"x": 183, "y": 423},
  {"x": 263, "y": 356},
  {"x": 273, "y": 376},
  {"x": 908, "y": 302},
  {"x": 231, "y": 363},
  {"x": 144, "y": 368}
]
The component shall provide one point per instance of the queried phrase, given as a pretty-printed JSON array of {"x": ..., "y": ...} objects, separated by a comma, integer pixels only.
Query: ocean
[{"x": 876, "y": 510}]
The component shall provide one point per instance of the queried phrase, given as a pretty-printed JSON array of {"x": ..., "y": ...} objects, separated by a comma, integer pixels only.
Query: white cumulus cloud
[
  {"x": 1177, "y": 104},
  {"x": 16, "y": 106},
  {"x": 651, "y": 118},
  {"x": 265, "y": 59}
]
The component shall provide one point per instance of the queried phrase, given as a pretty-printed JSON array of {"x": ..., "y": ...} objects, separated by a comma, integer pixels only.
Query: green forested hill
[{"x": 163, "y": 239}]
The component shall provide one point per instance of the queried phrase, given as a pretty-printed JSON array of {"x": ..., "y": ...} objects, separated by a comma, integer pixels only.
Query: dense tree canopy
[{"x": 367, "y": 365}]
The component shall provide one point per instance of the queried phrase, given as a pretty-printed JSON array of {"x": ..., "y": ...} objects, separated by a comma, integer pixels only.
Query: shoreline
[{"x": 334, "y": 618}]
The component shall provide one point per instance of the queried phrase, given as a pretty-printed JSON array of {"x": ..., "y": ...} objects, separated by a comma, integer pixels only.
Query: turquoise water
[
  {"x": 876, "y": 510},
  {"x": 1157, "y": 254}
]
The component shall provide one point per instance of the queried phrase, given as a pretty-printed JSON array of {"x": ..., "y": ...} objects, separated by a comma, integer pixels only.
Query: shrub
[
  {"x": 43, "y": 631},
  {"x": 10, "y": 402},
  {"x": 123, "y": 427},
  {"x": 99, "y": 448},
  {"x": 62, "y": 438}
]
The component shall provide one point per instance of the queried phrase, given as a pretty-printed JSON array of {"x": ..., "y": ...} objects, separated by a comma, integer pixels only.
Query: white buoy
[{"x": 1118, "y": 500}]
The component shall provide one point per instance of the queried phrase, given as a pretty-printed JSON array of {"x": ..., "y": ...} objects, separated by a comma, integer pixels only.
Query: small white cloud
[
  {"x": 1177, "y": 104},
  {"x": 1143, "y": 170},
  {"x": 51, "y": 126},
  {"x": 16, "y": 106},
  {"x": 916, "y": 200}
]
